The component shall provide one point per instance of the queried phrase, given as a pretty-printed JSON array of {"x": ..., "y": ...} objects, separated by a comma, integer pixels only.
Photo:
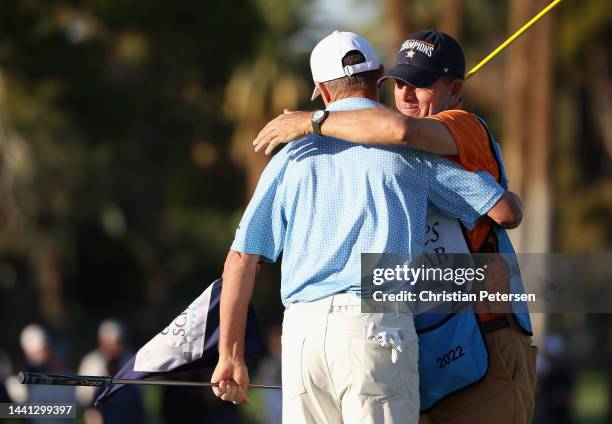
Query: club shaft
[
  {"x": 512, "y": 38},
  {"x": 185, "y": 383},
  {"x": 104, "y": 381}
]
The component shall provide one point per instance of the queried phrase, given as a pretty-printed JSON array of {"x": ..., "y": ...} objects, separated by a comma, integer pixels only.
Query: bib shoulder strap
[{"x": 503, "y": 178}]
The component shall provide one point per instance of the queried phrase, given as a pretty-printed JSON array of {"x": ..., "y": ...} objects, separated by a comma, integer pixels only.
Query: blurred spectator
[
  {"x": 35, "y": 344},
  {"x": 556, "y": 382},
  {"x": 97, "y": 362},
  {"x": 270, "y": 373},
  {"x": 126, "y": 405}
]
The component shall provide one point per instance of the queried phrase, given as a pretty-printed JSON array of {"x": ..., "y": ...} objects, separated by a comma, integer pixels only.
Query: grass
[{"x": 591, "y": 398}]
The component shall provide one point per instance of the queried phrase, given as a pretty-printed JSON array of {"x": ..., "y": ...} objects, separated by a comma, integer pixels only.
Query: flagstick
[{"x": 513, "y": 37}]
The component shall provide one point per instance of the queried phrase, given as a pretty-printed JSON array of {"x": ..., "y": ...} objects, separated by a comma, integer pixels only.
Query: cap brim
[
  {"x": 316, "y": 93},
  {"x": 413, "y": 75}
]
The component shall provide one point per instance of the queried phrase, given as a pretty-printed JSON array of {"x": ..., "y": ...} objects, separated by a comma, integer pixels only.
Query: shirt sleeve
[
  {"x": 459, "y": 193},
  {"x": 262, "y": 228}
]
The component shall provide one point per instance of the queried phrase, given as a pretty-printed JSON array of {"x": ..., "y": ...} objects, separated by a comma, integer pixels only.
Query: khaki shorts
[{"x": 335, "y": 370}]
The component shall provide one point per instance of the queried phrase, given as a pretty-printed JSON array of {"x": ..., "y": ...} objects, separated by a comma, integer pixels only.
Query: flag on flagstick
[{"x": 189, "y": 342}]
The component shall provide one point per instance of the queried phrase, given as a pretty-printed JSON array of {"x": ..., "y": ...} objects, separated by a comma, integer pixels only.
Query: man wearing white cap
[
  {"x": 429, "y": 77},
  {"x": 322, "y": 202}
]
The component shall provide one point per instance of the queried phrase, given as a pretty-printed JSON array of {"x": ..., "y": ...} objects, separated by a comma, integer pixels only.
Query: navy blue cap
[{"x": 426, "y": 56}]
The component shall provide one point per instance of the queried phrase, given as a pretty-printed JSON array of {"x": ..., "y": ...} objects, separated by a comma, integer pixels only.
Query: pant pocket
[
  {"x": 373, "y": 374},
  {"x": 292, "y": 353}
]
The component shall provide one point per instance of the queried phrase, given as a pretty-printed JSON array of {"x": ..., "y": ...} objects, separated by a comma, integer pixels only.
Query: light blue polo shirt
[{"x": 323, "y": 201}]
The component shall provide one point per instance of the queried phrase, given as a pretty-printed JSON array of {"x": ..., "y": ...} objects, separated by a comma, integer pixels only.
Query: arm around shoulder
[{"x": 379, "y": 126}]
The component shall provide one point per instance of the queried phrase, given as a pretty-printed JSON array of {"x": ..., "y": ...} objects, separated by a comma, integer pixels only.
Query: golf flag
[{"x": 189, "y": 342}]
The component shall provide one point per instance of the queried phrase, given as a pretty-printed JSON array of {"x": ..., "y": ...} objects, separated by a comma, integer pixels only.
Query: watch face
[{"x": 318, "y": 115}]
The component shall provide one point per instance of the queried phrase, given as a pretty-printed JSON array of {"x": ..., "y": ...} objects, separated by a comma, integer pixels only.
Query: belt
[
  {"x": 494, "y": 324},
  {"x": 344, "y": 299}
]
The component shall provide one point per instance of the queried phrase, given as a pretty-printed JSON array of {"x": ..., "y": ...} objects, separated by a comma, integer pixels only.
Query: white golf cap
[
  {"x": 33, "y": 338},
  {"x": 326, "y": 58},
  {"x": 110, "y": 330}
]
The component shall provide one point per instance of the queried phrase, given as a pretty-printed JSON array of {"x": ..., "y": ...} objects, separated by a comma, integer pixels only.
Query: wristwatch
[{"x": 318, "y": 117}]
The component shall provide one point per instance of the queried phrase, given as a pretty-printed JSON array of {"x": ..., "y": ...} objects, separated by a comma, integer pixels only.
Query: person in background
[
  {"x": 126, "y": 405},
  {"x": 556, "y": 382},
  {"x": 102, "y": 360},
  {"x": 269, "y": 372},
  {"x": 36, "y": 347}
]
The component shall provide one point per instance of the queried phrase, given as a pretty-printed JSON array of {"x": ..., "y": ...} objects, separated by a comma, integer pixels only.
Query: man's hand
[
  {"x": 284, "y": 128},
  {"x": 233, "y": 378}
]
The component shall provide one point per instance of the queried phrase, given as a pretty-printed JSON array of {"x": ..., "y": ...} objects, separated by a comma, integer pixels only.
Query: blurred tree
[
  {"x": 537, "y": 182},
  {"x": 257, "y": 91},
  {"x": 261, "y": 89},
  {"x": 516, "y": 95},
  {"x": 397, "y": 29},
  {"x": 582, "y": 153},
  {"x": 114, "y": 143},
  {"x": 527, "y": 130},
  {"x": 451, "y": 14}
]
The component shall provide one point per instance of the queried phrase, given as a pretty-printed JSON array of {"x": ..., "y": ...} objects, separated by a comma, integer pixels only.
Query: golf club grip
[{"x": 25, "y": 377}]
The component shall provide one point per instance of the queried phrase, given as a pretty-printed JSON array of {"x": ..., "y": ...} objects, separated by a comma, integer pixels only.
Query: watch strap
[{"x": 317, "y": 122}]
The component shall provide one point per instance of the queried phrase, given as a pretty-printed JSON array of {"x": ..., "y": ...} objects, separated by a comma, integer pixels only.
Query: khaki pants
[
  {"x": 333, "y": 372},
  {"x": 507, "y": 393}
]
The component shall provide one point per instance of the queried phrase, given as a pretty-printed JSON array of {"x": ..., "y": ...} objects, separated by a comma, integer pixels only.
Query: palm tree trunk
[
  {"x": 450, "y": 17},
  {"x": 49, "y": 277},
  {"x": 397, "y": 23},
  {"x": 536, "y": 189},
  {"x": 527, "y": 131},
  {"x": 515, "y": 111}
]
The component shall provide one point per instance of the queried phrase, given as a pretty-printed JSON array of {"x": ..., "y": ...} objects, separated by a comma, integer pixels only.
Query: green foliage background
[{"x": 123, "y": 127}]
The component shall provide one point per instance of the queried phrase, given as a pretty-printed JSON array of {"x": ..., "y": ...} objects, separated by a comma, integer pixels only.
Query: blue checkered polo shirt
[{"x": 324, "y": 201}]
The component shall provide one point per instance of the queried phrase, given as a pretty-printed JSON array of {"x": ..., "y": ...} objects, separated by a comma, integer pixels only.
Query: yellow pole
[{"x": 513, "y": 37}]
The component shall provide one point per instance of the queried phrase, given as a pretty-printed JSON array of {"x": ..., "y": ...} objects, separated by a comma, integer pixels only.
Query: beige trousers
[
  {"x": 344, "y": 366},
  {"x": 507, "y": 393}
]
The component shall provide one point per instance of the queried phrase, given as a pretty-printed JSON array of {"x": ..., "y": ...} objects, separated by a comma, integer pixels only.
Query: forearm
[
  {"x": 378, "y": 126},
  {"x": 238, "y": 280},
  {"x": 386, "y": 127},
  {"x": 367, "y": 126}
]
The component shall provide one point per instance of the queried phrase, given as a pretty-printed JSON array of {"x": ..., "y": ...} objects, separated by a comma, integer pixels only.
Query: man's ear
[
  {"x": 325, "y": 95},
  {"x": 454, "y": 101}
]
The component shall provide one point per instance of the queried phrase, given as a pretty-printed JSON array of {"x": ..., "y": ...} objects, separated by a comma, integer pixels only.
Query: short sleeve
[
  {"x": 459, "y": 193},
  {"x": 262, "y": 228}
]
